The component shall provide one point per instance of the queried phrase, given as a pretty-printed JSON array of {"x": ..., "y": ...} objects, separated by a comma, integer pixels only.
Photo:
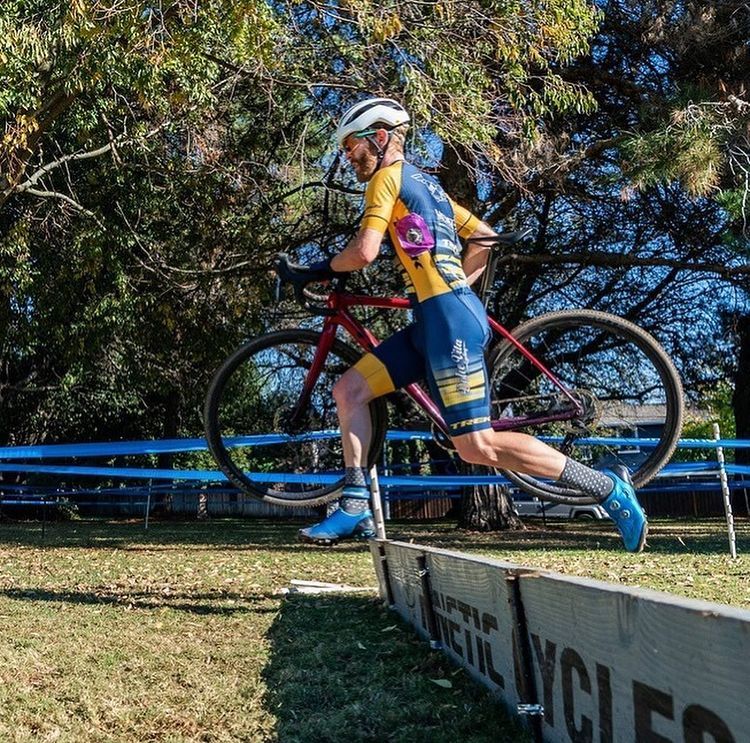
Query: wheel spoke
[
  {"x": 617, "y": 372},
  {"x": 295, "y": 454}
]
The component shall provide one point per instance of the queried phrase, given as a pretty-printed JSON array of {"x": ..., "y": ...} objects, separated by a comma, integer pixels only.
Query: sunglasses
[{"x": 362, "y": 135}]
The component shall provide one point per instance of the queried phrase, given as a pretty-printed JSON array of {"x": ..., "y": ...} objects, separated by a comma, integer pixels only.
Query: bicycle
[{"x": 271, "y": 422}]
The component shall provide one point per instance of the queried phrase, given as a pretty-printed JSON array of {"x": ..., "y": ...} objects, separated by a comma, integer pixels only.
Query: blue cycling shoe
[
  {"x": 623, "y": 508},
  {"x": 340, "y": 525}
]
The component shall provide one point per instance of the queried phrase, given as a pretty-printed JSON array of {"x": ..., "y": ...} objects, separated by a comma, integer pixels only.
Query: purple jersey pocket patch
[{"x": 414, "y": 235}]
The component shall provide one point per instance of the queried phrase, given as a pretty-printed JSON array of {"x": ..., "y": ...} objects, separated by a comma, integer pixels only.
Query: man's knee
[
  {"x": 474, "y": 448},
  {"x": 351, "y": 389}
]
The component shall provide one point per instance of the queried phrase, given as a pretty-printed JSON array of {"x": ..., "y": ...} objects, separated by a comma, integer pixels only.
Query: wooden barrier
[{"x": 603, "y": 663}]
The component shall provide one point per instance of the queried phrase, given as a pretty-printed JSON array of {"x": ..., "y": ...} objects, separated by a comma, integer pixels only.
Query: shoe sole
[
  {"x": 642, "y": 540},
  {"x": 318, "y": 541}
]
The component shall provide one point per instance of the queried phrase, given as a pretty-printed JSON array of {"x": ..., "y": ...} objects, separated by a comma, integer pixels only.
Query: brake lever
[
  {"x": 283, "y": 276},
  {"x": 318, "y": 309}
]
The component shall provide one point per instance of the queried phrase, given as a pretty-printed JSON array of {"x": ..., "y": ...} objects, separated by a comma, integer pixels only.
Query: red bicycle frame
[{"x": 339, "y": 304}]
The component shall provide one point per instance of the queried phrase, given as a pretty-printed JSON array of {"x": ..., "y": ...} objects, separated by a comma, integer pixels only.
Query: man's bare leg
[
  {"x": 509, "y": 450},
  {"x": 352, "y": 396},
  {"x": 530, "y": 456},
  {"x": 353, "y": 517},
  {"x": 527, "y": 455}
]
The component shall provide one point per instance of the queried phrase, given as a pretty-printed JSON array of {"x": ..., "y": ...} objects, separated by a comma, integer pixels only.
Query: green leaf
[{"x": 442, "y": 682}]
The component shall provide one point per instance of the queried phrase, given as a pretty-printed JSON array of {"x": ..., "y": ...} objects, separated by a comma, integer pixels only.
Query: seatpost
[{"x": 485, "y": 282}]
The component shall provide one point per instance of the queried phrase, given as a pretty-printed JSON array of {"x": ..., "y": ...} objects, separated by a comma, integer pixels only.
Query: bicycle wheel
[
  {"x": 619, "y": 375},
  {"x": 263, "y": 442}
]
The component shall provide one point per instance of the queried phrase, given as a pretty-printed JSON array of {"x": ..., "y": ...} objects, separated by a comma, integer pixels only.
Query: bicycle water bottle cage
[{"x": 414, "y": 235}]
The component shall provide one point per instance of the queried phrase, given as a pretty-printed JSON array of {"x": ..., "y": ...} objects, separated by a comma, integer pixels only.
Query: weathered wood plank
[
  {"x": 619, "y": 664},
  {"x": 611, "y": 664},
  {"x": 406, "y": 585},
  {"x": 471, "y": 601}
]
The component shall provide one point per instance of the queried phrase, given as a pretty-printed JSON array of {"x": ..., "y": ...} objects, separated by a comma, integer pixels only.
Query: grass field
[{"x": 181, "y": 632}]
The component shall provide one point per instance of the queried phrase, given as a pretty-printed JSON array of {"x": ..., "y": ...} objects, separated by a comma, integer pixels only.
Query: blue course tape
[
  {"x": 215, "y": 476},
  {"x": 413, "y": 481},
  {"x": 166, "y": 446},
  {"x": 646, "y": 443},
  {"x": 174, "y": 446},
  {"x": 139, "y": 473},
  {"x": 121, "y": 448}
]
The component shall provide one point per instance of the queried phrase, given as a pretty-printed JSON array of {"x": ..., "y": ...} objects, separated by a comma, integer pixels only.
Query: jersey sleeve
[
  {"x": 380, "y": 198},
  {"x": 466, "y": 222}
]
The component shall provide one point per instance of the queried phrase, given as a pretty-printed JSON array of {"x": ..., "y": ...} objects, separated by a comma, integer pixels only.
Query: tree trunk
[
  {"x": 455, "y": 178},
  {"x": 741, "y": 397},
  {"x": 487, "y": 507}
]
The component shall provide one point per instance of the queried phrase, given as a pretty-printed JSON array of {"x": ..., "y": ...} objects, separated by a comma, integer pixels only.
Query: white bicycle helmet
[{"x": 363, "y": 115}]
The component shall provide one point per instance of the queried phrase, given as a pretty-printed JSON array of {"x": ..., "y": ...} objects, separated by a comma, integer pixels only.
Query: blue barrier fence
[
  {"x": 145, "y": 485},
  {"x": 175, "y": 446},
  {"x": 194, "y": 480}
]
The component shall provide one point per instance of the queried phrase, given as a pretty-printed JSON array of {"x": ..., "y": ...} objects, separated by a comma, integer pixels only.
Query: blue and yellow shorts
[{"x": 445, "y": 345}]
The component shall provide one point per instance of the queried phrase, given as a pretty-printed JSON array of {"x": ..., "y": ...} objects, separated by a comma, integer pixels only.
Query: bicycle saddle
[{"x": 506, "y": 239}]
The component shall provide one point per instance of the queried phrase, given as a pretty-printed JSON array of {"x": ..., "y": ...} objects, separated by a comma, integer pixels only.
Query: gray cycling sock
[
  {"x": 355, "y": 476},
  {"x": 590, "y": 481},
  {"x": 354, "y": 500}
]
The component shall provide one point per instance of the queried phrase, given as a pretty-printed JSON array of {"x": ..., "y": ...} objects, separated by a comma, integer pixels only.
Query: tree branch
[
  {"x": 33, "y": 179},
  {"x": 67, "y": 199},
  {"x": 318, "y": 184},
  {"x": 615, "y": 260}
]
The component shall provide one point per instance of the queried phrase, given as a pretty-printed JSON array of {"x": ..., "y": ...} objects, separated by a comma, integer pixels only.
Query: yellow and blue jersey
[
  {"x": 401, "y": 189},
  {"x": 446, "y": 342}
]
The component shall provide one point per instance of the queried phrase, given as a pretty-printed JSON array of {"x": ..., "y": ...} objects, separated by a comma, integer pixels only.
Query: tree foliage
[
  {"x": 155, "y": 157},
  {"x": 111, "y": 66}
]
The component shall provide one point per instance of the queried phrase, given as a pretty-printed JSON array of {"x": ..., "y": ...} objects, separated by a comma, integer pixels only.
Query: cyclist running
[{"x": 446, "y": 341}]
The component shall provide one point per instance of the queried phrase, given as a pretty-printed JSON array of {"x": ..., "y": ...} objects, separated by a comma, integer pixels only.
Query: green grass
[
  {"x": 180, "y": 633},
  {"x": 685, "y": 557}
]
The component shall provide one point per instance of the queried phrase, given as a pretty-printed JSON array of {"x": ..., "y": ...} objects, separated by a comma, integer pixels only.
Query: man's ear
[{"x": 381, "y": 136}]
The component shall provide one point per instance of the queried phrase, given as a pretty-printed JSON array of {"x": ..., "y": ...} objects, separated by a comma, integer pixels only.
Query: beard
[{"x": 364, "y": 164}]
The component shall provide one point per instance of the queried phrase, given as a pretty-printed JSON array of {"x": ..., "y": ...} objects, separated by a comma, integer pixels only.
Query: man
[{"x": 447, "y": 339}]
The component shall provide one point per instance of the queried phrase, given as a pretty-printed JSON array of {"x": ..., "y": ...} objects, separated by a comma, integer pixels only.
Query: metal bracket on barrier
[
  {"x": 386, "y": 577},
  {"x": 423, "y": 573},
  {"x": 530, "y": 706}
]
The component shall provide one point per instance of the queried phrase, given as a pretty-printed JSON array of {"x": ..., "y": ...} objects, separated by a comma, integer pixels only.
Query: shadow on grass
[
  {"x": 225, "y": 534},
  {"x": 218, "y": 603},
  {"x": 341, "y": 668}
]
